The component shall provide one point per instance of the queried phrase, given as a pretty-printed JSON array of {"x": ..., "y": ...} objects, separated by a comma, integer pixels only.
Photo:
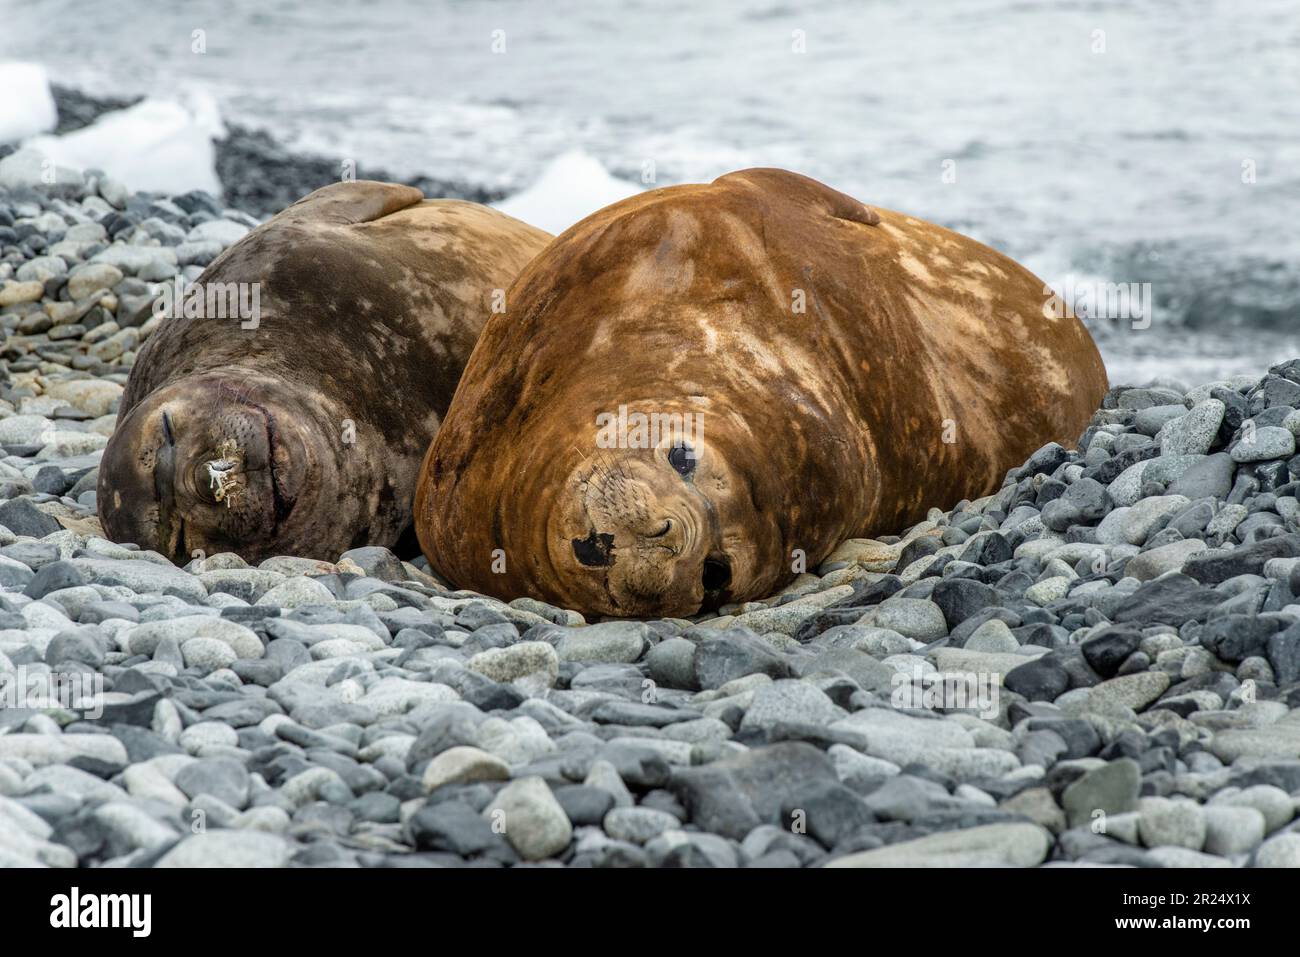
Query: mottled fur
[
  {"x": 819, "y": 426},
  {"x": 371, "y": 300}
]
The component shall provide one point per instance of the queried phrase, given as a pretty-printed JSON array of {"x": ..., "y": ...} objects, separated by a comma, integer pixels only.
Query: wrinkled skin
[
  {"x": 304, "y": 435},
  {"x": 922, "y": 367}
]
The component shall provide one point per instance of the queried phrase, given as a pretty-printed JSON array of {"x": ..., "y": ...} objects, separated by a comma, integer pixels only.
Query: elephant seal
[
  {"x": 300, "y": 431},
  {"x": 921, "y": 366}
]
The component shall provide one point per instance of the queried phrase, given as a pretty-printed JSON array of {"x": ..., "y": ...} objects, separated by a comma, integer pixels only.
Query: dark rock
[
  {"x": 481, "y": 691},
  {"x": 1129, "y": 743},
  {"x": 1042, "y": 634},
  {"x": 830, "y": 811},
  {"x": 1280, "y": 774},
  {"x": 1043, "y": 679},
  {"x": 1233, "y": 638},
  {"x": 1042, "y": 747},
  {"x": 456, "y": 827},
  {"x": 638, "y": 766},
  {"x": 987, "y": 549},
  {"x": 733, "y": 796},
  {"x": 100, "y": 611},
  {"x": 1169, "y": 600},
  {"x": 918, "y": 548},
  {"x": 903, "y": 797},
  {"x": 84, "y": 645},
  {"x": 1278, "y": 391},
  {"x": 250, "y": 615},
  {"x": 584, "y": 805},
  {"x": 243, "y": 711},
  {"x": 664, "y": 800},
  {"x": 141, "y": 743},
  {"x": 377, "y": 807},
  {"x": 1050, "y": 491},
  {"x": 258, "y": 671},
  {"x": 960, "y": 634},
  {"x": 477, "y": 615},
  {"x": 51, "y": 480},
  {"x": 735, "y": 653},
  {"x": 636, "y": 713},
  {"x": 872, "y": 593},
  {"x": 1191, "y": 522},
  {"x": 848, "y": 610},
  {"x": 377, "y": 562},
  {"x": 56, "y": 575},
  {"x": 1080, "y": 737},
  {"x": 357, "y": 778},
  {"x": 138, "y": 710},
  {"x": 1213, "y": 567},
  {"x": 1045, "y": 461},
  {"x": 960, "y": 598},
  {"x": 1083, "y": 503},
  {"x": 288, "y": 653},
  {"x": 223, "y": 778},
  {"x": 1284, "y": 655},
  {"x": 451, "y": 727},
  {"x": 21, "y": 517},
  {"x": 1109, "y": 470},
  {"x": 35, "y": 555},
  {"x": 1106, "y": 650}
]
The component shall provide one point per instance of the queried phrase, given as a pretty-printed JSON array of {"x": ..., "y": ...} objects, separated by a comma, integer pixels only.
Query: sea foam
[{"x": 26, "y": 104}]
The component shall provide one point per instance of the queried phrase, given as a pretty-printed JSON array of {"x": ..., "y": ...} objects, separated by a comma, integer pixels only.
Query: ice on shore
[
  {"x": 158, "y": 145},
  {"x": 26, "y": 103},
  {"x": 573, "y": 186}
]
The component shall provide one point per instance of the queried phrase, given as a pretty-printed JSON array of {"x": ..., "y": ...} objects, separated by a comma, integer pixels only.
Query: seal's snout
[
  {"x": 194, "y": 471},
  {"x": 631, "y": 535},
  {"x": 223, "y": 471}
]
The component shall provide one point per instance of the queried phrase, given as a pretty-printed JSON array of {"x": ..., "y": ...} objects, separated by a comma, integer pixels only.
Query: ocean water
[{"x": 1101, "y": 142}]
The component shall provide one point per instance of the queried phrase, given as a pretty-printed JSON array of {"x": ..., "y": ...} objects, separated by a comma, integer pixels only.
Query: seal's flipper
[
  {"x": 346, "y": 204},
  {"x": 783, "y": 183}
]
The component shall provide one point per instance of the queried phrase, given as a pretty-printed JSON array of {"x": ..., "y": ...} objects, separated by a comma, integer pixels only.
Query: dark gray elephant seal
[
  {"x": 301, "y": 431},
  {"x": 922, "y": 366}
]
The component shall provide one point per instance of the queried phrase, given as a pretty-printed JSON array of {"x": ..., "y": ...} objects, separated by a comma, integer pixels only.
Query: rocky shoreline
[
  {"x": 1118, "y": 626},
  {"x": 258, "y": 174}
]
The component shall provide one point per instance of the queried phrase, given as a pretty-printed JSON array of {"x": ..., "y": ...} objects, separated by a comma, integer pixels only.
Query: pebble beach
[{"x": 1099, "y": 664}]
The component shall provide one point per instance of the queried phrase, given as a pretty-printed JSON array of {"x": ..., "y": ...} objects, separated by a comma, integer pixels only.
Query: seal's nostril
[
  {"x": 717, "y": 573},
  {"x": 168, "y": 435},
  {"x": 668, "y": 527}
]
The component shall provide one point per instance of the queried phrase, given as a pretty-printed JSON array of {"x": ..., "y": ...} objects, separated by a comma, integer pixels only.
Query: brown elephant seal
[
  {"x": 300, "y": 431},
  {"x": 922, "y": 367}
]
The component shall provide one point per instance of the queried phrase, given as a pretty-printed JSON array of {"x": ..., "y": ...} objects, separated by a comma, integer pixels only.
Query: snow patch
[{"x": 571, "y": 188}]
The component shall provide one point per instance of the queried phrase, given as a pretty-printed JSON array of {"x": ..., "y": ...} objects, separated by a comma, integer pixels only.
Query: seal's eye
[{"x": 682, "y": 458}]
